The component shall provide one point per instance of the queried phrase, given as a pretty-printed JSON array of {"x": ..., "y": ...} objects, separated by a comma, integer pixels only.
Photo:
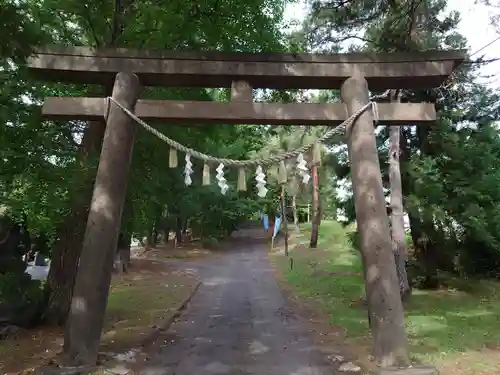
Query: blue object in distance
[
  {"x": 265, "y": 221},
  {"x": 277, "y": 224}
]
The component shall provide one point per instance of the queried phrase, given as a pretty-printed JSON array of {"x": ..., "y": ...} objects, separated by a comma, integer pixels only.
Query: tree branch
[
  {"x": 115, "y": 31},
  {"x": 87, "y": 17}
]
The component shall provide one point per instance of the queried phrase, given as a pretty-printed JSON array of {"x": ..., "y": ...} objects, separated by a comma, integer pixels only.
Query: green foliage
[
  {"x": 464, "y": 209},
  {"x": 45, "y": 168},
  {"x": 20, "y": 297},
  {"x": 448, "y": 169},
  {"x": 217, "y": 216}
]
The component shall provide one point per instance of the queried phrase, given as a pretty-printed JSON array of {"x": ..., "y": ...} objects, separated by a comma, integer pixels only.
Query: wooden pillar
[
  {"x": 241, "y": 91},
  {"x": 85, "y": 322},
  {"x": 384, "y": 303},
  {"x": 316, "y": 214}
]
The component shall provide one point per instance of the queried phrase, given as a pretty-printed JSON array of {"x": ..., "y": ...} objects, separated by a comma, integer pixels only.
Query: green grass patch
[
  {"x": 453, "y": 325},
  {"x": 147, "y": 296}
]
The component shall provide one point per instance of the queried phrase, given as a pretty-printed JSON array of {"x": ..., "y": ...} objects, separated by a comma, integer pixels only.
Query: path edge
[
  {"x": 292, "y": 302},
  {"x": 157, "y": 331}
]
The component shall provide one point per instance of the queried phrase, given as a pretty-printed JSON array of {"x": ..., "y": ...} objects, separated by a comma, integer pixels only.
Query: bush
[
  {"x": 210, "y": 242},
  {"x": 20, "y": 298},
  {"x": 353, "y": 239}
]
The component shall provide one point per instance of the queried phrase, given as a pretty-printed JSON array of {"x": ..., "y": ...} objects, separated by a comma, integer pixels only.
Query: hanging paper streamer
[
  {"x": 260, "y": 177},
  {"x": 302, "y": 165},
  {"x": 316, "y": 154},
  {"x": 188, "y": 170},
  {"x": 172, "y": 158},
  {"x": 302, "y": 169},
  {"x": 221, "y": 181},
  {"x": 242, "y": 180},
  {"x": 206, "y": 175},
  {"x": 282, "y": 177}
]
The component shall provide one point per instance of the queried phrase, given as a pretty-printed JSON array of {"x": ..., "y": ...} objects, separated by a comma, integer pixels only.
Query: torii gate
[{"x": 353, "y": 73}]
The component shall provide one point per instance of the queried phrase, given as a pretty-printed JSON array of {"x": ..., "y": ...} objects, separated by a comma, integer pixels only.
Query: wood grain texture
[{"x": 192, "y": 112}]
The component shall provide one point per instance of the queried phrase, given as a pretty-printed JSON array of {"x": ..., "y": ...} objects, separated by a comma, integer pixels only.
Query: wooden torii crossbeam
[
  {"x": 260, "y": 70},
  {"x": 196, "y": 112},
  {"x": 128, "y": 70}
]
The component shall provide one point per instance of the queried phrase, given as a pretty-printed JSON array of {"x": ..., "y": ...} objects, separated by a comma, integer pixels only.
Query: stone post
[{"x": 88, "y": 305}]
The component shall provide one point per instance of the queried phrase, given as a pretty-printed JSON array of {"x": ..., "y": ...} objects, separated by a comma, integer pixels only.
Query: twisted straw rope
[{"x": 254, "y": 162}]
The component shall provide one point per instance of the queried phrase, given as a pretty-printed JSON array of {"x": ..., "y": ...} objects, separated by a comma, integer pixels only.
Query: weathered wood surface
[
  {"x": 385, "y": 309},
  {"x": 260, "y": 70},
  {"x": 241, "y": 91},
  {"x": 90, "y": 295},
  {"x": 191, "y": 112}
]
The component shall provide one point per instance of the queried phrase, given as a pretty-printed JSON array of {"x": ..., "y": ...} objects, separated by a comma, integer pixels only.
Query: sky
[{"x": 474, "y": 25}]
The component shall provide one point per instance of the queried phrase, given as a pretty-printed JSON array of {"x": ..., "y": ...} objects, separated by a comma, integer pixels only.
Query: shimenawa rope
[{"x": 253, "y": 162}]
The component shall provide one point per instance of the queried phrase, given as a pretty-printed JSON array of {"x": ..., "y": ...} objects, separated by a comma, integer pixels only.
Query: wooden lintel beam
[
  {"x": 189, "y": 112},
  {"x": 260, "y": 70}
]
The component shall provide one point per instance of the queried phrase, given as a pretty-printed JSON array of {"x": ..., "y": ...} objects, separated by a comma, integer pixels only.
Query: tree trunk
[
  {"x": 63, "y": 267},
  {"x": 166, "y": 232},
  {"x": 88, "y": 305},
  {"x": 396, "y": 201},
  {"x": 163, "y": 227},
  {"x": 397, "y": 214},
  {"x": 152, "y": 239},
  {"x": 294, "y": 212},
  {"x": 185, "y": 227},
  {"x": 141, "y": 242},
  {"x": 425, "y": 250},
  {"x": 64, "y": 264},
  {"x": 284, "y": 217},
  {"x": 316, "y": 209},
  {"x": 58, "y": 288},
  {"x": 153, "y": 236},
  {"x": 122, "y": 258},
  {"x": 67, "y": 248},
  {"x": 178, "y": 229},
  {"x": 385, "y": 309}
]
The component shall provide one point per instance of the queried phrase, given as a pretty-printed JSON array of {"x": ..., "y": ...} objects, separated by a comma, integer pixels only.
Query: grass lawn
[
  {"x": 145, "y": 297},
  {"x": 457, "y": 329}
]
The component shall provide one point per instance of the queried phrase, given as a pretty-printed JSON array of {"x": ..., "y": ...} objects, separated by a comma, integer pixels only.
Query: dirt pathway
[{"x": 237, "y": 323}]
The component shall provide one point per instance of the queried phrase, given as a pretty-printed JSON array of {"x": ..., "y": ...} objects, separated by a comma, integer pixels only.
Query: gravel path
[{"x": 238, "y": 322}]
